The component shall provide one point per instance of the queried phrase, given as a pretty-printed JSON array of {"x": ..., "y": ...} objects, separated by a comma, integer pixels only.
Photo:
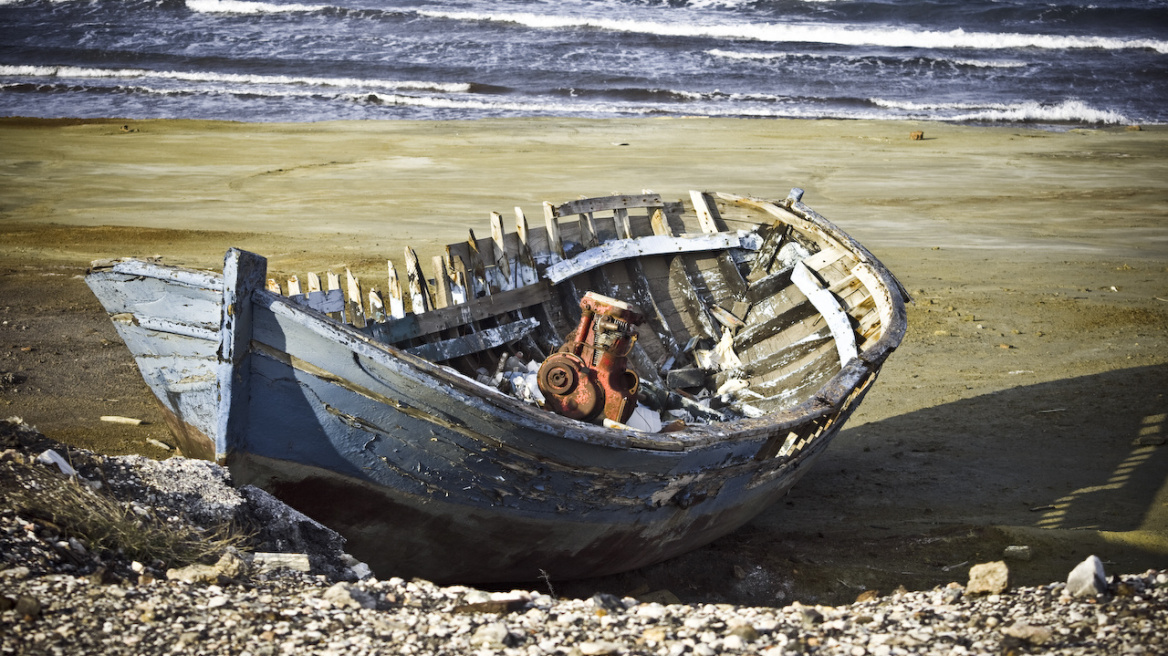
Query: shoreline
[{"x": 1035, "y": 361}]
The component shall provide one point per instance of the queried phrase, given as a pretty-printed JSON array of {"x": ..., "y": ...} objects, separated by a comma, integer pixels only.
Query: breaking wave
[{"x": 889, "y": 37}]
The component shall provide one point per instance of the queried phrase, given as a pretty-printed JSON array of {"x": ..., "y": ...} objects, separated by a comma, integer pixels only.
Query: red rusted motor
[{"x": 589, "y": 375}]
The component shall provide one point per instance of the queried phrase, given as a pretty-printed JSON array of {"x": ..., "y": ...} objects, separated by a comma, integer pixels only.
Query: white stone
[
  {"x": 1087, "y": 579},
  {"x": 653, "y": 611}
]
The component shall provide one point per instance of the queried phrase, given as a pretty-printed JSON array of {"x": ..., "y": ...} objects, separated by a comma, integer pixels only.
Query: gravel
[{"x": 61, "y": 596}]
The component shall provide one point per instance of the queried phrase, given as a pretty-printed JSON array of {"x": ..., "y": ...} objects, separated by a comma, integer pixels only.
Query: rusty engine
[{"x": 589, "y": 377}]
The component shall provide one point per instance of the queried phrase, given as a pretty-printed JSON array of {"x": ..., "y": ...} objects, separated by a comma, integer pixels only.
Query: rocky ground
[{"x": 126, "y": 555}]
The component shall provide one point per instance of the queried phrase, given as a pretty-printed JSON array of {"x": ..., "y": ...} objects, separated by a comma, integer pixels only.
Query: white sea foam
[
  {"x": 240, "y": 7},
  {"x": 228, "y": 78},
  {"x": 1068, "y": 111},
  {"x": 500, "y": 105},
  {"x": 814, "y": 33},
  {"x": 768, "y": 56}
]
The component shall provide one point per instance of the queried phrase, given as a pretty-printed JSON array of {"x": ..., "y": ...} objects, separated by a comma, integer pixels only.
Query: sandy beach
[{"x": 1026, "y": 406}]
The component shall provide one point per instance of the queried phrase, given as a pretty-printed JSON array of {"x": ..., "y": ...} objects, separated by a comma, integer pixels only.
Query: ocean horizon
[{"x": 1054, "y": 62}]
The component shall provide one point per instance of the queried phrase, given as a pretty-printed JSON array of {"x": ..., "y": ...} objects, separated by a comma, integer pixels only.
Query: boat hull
[{"x": 385, "y": 429}]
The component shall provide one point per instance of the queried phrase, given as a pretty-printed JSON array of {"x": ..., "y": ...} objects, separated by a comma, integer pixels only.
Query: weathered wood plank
[
  {"x": 488, "y": 338},
  {"x": 501, "y": 258},
  {"x": 443, "y": 293},
  {"x": 293, "y": 286},
  {"x": 353, "y": 301},
  {"x": 588, "y": 237},
  {"x": 705, "y": 214},
  {"x": 273, "y": 286},
  {"x": 552, "y": 225},
  {"x": 397, "y": 305},
  {"x": 334, "y": 283},
  {"x": 474, "y": 263},
  {"x": 526, "y": 273},
  {"x": 827, "y": 306},
  {"x": 313, "y": 282},
  {"x": 623, "y": 249},
  {"x": 419, "y": 291}
]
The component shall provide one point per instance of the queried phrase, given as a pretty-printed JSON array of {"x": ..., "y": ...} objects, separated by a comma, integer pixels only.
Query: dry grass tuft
[{"x": 110, "y": 525}]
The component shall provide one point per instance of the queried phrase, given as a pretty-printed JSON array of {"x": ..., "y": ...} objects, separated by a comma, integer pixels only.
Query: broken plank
[
  {"x": 489, "y": 338},
  {"x": 353, "y": 305},
  {"x": 334, "y": 283},
  {"x": 501, "y": 260},
  {"x": 419, "y": 292},
  {"x": 443, "y": 292},
  {"x": 552, "y": 225},
  {"x": 376, "y": 307},
  {"x": 397, "y": 306}
]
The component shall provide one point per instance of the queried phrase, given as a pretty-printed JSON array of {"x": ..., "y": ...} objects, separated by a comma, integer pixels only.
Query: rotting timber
[{"x": 762, "y": 327}]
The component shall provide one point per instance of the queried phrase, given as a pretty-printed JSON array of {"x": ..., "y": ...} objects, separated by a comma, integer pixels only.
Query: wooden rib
[
  {"x": 334, "y": 282},
  {"x": 459, "y": 286},
  {"x": 273, "y": 286},
  {"x": 397, "y": 306},
  {"x": 353, "y": 302},
  {"x": 293, "y": 286},
  {"x": 419, "y": 293},
  {"x": 525, "y": 261},
  {"x": 475, "y": 267},
  {"x": 500, "y": 258},
  {"x": 588, "y": 237},
  {"x": 376, "y": 307},
  {"x": 443, "y": 296},
  {"x": 552, "y": 224},
  {"x": 624, "y": 229},
  {"x": 313, "y": 282},
  {"x": 829, "y": 308},
  {"x": 705, "y": 215}
]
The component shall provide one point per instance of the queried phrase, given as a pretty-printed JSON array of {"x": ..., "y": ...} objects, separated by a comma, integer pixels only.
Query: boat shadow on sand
[{"x": 1071, "y": 467}]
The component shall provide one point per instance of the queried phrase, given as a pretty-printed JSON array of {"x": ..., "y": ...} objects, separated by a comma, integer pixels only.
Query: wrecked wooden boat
[{"x": 493, "y": 421}]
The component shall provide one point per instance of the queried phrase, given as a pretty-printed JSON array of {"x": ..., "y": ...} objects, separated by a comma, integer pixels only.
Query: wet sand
[{"x": 1026, "y": 405}]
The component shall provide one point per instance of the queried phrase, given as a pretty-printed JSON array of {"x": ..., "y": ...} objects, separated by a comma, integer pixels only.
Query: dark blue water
[{"x": 1064, "y": 62}]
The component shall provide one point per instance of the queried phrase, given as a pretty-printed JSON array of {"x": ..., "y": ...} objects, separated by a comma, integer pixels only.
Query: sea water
[{"x": 1059, "y": 62}]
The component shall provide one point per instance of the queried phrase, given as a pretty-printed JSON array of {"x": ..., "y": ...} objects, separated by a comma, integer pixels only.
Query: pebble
[{"x": 49, "y": 604}]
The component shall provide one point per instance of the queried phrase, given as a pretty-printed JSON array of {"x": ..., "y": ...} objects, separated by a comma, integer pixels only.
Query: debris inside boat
[{"x": 629, "y": 381}]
